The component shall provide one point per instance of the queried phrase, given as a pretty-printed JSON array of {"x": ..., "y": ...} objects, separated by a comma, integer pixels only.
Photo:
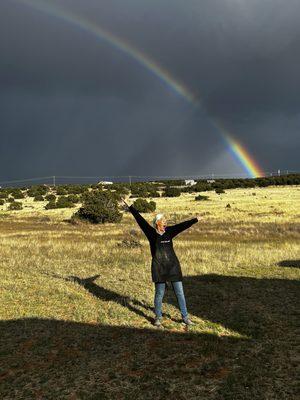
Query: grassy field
[{"x": 76, "y": 303}]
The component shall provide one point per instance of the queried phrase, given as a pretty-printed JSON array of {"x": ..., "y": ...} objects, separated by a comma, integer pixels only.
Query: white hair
[{"x": 157, "y": 218}]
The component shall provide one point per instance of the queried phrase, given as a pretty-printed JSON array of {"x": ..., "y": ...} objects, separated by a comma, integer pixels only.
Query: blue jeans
[{"x": 159, "y": 294}]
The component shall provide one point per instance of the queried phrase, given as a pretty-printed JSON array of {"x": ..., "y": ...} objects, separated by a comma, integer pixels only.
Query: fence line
[{"x": 54, "y": 179}]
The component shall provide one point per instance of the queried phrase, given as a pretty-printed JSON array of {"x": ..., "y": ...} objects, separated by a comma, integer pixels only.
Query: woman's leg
[
  {"x": 178, "y": 290},
  {"x": 158, "y": 298}
]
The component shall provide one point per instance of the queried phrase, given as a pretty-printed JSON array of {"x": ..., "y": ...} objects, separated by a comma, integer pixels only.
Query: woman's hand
[{"x": 126, "y": 206}]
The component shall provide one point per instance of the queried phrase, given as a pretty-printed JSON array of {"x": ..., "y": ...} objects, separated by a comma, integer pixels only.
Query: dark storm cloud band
[{"x": 239, "y": 152}]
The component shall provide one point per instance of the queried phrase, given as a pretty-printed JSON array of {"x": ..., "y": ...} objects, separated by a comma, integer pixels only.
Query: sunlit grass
[{"x": 235, "y": 289}]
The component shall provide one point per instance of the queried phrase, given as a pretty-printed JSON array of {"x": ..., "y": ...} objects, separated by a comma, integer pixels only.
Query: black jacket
[{"x": 165, "y": 265}]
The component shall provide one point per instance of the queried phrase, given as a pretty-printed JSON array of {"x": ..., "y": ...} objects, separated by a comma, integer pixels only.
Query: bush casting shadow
[
  {"x": 50, "y": 359},
  {"x": 289, "y": 263}
]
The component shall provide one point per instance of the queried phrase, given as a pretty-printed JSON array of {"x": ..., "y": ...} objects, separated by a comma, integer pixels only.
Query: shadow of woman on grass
[{"x": 102, "y": 293}]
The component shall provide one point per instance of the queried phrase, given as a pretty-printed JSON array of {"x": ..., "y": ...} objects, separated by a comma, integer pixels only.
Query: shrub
[
  {"x": 50, "y": 205},
  {"x": 177, "y": 182},
  {"x": 75, "y": 189},
  {"x": 38, "y": 197},
  {"x": 61, "y": 191},
  {"x": 64, "y": 202},
  {"x": 16, "y": 205},
  {"x": 117, "y": 196},
  {"x": 121, "y": 188},
  {"x": 199, "y": 187},
  {"x": 31, "y": 193},
  {"x": 73, "y": 198},
  {"x": 50, "y": 197},
  {"x": 2, "y": 202},
  {"x": 34, "y": 191},
  {"x": 10, "y": 200},
  {"x": 171, "y": 192},
  {"x": 17, "y": 194},
  {"x": 201, "y": 197},
  {"x": 144, "y": 190},
  {"x": 139, "y": 192},
  {"x": 261, "y": 182},
  {"x": 154, "y": 193},
  {"x": 99, "y": 207},
  {"x": 3, "y": 195},
  {"x": 142, "y": 205},
  {"x": 122, "y": 191},
  {"x": 219, "y": 190}
]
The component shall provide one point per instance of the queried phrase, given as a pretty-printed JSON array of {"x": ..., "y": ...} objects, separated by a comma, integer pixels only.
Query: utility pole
[
  {"x": 53, "y": 180},
  {"x": 129, "y": 180}
]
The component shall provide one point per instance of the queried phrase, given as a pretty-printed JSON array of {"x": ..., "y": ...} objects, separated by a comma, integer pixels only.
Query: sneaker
[
  {"x": 157, "y": 322},
  {"x": 187, "y": 321}
]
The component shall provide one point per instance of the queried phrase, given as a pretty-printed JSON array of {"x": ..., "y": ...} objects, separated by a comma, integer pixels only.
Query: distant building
[
  {"x": 105, "y": 183},
  {"x": 190, "y": 182},
  {"x": 210, "y": 181}
]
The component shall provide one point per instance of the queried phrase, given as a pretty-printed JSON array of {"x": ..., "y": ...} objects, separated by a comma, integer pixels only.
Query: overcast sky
[{"x": 73, "y": 104}]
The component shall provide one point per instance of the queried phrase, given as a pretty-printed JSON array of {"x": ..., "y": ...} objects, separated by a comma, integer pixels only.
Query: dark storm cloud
[{"x": 72, "y": 104}]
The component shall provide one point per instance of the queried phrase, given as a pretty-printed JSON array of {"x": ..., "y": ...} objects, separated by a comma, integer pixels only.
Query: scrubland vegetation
[{"x": 76, "y": 299}]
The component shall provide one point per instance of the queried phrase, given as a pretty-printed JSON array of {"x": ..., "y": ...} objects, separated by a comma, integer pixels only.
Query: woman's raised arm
[
  {"x": 143, "y": 224},
  {"x": 175, "y": 229}
]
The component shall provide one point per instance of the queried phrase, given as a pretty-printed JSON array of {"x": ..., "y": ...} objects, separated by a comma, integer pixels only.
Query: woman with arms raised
[{"x": 165, "y": 265}]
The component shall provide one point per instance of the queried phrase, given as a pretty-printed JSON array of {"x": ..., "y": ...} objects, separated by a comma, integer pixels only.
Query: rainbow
[
  {"x": 237, "y": 150},
  {"x": 240, "y": 154}
]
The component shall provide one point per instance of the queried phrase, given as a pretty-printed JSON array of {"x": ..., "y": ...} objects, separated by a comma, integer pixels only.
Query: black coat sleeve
[
  {"x": 143, "y": 224},
  {"x": 175, "y": 229}
]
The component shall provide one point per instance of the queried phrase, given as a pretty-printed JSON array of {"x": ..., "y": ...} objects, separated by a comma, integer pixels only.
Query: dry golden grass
[{"x": 76, "y": 308}]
